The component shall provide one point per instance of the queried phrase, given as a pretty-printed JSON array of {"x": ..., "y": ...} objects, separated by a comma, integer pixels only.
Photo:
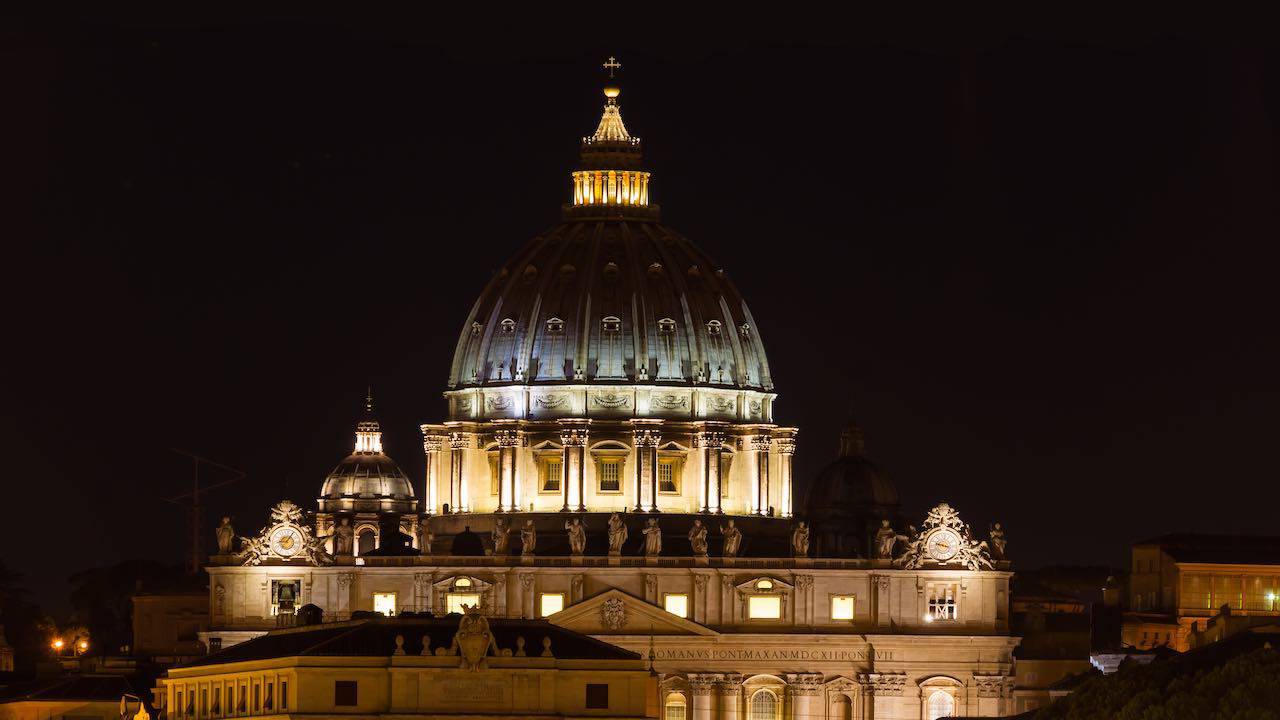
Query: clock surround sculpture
[
  {"x": 945, "y": 539},
  {"x": 287, "y": 539}
]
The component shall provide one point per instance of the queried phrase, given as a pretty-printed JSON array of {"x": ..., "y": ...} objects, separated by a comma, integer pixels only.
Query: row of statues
[
  {"x": 887, "y": 539},
  {"x": 576, "y": 531}
]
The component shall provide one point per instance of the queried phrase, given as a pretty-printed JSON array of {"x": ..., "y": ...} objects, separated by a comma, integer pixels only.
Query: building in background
[
  {"x": 1178, "y": 582},
  {"x": 167, "y": 626}
]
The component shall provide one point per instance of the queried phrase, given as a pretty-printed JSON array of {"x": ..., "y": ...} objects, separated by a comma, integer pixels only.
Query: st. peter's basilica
[{"x": 611, "y": 462}]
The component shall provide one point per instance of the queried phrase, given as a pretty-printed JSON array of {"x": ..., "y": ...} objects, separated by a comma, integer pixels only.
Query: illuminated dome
[
  {"x": 849, "y": 498},
  {"x": 610, "y": 296},
  {"x": 367, "y": 480}
]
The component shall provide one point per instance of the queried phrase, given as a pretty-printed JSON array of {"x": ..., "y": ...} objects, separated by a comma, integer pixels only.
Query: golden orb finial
[{"x": 611, "y": 91}]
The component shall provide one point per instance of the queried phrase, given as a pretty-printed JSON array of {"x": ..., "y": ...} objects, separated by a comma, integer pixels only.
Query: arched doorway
[{"x": 941, "y": 704}]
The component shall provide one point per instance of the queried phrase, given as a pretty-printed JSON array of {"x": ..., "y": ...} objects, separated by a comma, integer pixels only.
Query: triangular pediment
[{"x": 614, "y": 612}]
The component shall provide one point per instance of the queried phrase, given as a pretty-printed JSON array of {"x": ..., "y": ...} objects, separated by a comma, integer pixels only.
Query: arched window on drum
[
  {"x": 675, "y": 707},
  {"x": 764, "y": 705}
]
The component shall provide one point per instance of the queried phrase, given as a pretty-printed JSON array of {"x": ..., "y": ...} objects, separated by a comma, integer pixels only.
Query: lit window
[
  {"x": 611, "y": 475},
  {"x": 676, "y": 604},
  {"x": 455, "y": 601},
  {"x": 550, "y": 603},
  {"x": 764, "y": 607},
  {"x": 552, "y": 470},
  {"x": 493, "y": 472},
  {"x": 667, "y": 476},
  {"x": 942, "y": 603},
  {"x": 674, "y": 708},
  {"x": 462, "y": 582},
  {"x": 941, "y": 705},
  {"x": 841, "y": 607},
  {"x": 384, "y": 603},
  {"x": 764, "y": 585},
  {"x": 763, "y": 705}
]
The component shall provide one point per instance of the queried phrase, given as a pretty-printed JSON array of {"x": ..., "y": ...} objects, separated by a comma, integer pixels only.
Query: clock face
[
  {"x": 943, "y": 545},
  {"x": 286, "y": 541}
]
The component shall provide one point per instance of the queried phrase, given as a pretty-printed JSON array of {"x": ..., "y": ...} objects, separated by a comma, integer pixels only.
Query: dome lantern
[{"x": 611, "y": 180}]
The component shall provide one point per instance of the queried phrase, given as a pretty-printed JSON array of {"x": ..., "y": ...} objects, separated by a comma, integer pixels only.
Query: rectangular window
[
  {"x": 179, "y": 707},
  {"x": 726, "y": 465},
  {"x": 942, "y": 602},
  {"x": 597, "y": 696},
  {"x": 493, "y": 472},
  {"x": 385, "y": 603},
  {"x": 284, "y": 694},
  {"x": 454, "y": 601},
  {"x": 677, "y": 604},
  {"x": 269, "y": 702},
  {"x": 667, "y": 476},
  {"x": 204, "y": 701},
  {"x": 552, "y": 472},
  {"x": 344, "y": 693},
  {"x": 842, "y": 607},
  {"x": 550, "y": 604},
  {"x": 610, "y": 474},
  {"x": 764, "y": 607},
  {"x": 257, "y": 698}
]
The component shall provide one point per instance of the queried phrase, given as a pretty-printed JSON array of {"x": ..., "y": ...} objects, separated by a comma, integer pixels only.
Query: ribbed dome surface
[
  {"x": 611, "y": 300},
  {"x": 367, "y": 475}
]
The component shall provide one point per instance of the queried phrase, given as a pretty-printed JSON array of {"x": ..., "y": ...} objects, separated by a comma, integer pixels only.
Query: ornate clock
[
  {"x": 943, "y": 544},
  {"x": 286, "y": 541}
]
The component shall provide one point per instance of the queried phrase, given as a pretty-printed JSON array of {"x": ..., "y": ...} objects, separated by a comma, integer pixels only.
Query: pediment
[{"x": 614, "y": 612}]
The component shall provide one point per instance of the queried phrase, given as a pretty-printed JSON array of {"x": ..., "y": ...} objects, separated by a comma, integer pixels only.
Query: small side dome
[
  {"x": 849, "y": 498},
  {"x": 367, "y": 480}
]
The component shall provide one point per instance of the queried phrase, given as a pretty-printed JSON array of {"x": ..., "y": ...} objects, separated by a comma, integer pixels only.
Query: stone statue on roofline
[
  {"x": 698, "y": 538},
  {"x": 732, "y": 539},
  {"x": 577, "y": 536},
  {"x": 652, "y": 538}
]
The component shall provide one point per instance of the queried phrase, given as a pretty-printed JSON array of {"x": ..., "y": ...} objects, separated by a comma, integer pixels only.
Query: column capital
[
  {"x": 784, "y": 445},
  {"x": 709, "y": 438},
  {"x": 573, "y": 436},
  {"x": 508, "y": 437},
  {"x": 885, "y": 684},
  {"x": 460, "y": 440},
  {"x": 433, "y": 443},
  {"x": 647, "y": 437},
  {"x": 760, "y": 443}
]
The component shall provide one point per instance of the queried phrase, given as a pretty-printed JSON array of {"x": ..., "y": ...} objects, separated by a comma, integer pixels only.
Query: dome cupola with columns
[{"x": 610, "y": 365}]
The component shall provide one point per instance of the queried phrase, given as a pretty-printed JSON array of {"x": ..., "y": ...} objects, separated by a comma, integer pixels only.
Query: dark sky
[{"x": 1040, "y": 273}]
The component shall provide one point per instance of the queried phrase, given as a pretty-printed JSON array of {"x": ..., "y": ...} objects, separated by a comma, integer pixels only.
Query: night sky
[{"x": 1039, "y": 273}]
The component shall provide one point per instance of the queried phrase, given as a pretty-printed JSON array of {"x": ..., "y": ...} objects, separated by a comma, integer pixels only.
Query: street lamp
[{"x": 57, "y": 646}]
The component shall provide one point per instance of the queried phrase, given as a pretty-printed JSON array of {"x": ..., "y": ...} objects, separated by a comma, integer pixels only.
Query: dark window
[
  {"x": 284, "y": 694},
  {"x": 344, "y": 692},
  {"x": 597, "y": 696}
]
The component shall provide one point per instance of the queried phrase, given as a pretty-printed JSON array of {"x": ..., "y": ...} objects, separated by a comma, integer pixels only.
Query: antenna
[{"x": 195, "y": 547}]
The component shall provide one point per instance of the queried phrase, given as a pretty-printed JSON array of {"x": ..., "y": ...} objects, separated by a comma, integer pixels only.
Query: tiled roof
[{"x": 377, "y": 637}]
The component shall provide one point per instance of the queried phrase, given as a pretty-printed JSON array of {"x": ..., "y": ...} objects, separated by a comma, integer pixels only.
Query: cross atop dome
[{"x": 611, "y": 128}]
